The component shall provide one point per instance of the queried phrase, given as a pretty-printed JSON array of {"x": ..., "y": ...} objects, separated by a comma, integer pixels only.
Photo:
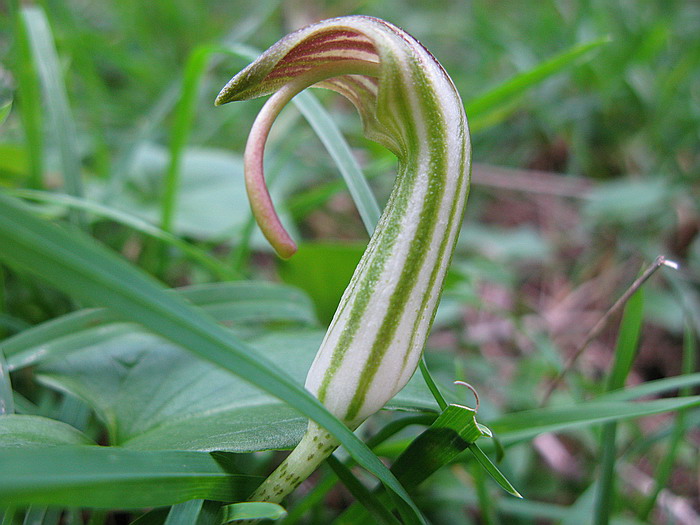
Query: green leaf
[
  {"x": 61, "y": 121},
  {"x": 7, "y": 401},
  {"x": 29, "y": 93},
  {"x": 107, "y": 477},
  {"x": 252, "y": 510},
  {"x": 184, "y": 513},
  {"x": 335, "y": 143},
  {"x": 524, "y": 425},
  {"x": 453, "y": 431},
  {"x": 628, "y": 201},
  {"x": 211, "y": 203},
  {"x": 134, "y": 222},
  {"x": 153, "y": 396},
  {"x": 625, "y": 351},
  {"x": 28, "y": 431},
  {"x": 5, "y": 109},
  {"x": 379, "y": 512},
  {"x": 651, "y": 388},
  {"x": 74, "y": 263},
  {"x": 495, "y": 98},
  {"x": 323, "y": 270},
  {"x": 492, "y": 470}
]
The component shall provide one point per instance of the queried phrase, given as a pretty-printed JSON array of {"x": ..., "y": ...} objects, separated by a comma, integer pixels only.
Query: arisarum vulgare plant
[{"x": 409, "y": 104}]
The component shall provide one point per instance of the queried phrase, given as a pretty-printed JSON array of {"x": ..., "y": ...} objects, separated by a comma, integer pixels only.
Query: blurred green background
[{"x": 587, "y": 166}]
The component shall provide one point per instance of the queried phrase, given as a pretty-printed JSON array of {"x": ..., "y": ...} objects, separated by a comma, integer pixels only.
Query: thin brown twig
[
  {"x": 531, "y": 181},
  {"x": 603, "y": 321}
]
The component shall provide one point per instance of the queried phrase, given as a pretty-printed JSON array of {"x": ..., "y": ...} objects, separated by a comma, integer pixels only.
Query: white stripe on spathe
[{"x": 375, "y": 340}]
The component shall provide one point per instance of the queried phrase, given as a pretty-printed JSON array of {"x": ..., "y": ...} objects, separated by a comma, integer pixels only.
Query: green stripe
[
  {"x": 382, "y": 243},
  {"x": 418, "y": 252},
  {"x": 447, "y": 245}
]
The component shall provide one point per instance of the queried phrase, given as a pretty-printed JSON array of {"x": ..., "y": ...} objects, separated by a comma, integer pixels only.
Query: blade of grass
[
  {"x": 146, "y": 128},
  {"x": 29, "y": 93},
  {"x": 184, "y": 513},
  {"x": 625, "y": 351},
  {"x": 219, "y": 269},
  {"x": 8, "y": 517},
  {"x": 240, "y": 301},
  {"x": 110, "y": 477},
  {"x": 251, "y": 510},
  {"x": 493, "y": 470},
  {"x": 5, "y": 109},
  {"x": 34, "y": 516},
  {"x": 361, "y": 494},
  {"x": 195, "y": 69},
  {"x": 519, "y": 426},
  {"x": 652, "y": 388},
  {"x": 54, "y": 93},
  {"x": 333, "y": 140},
  {"x": 665, "y": 467},
  {"x": 627, "y": 342},
  {"x": 495, "y": 98},
  {"x": 76, "y": 264},
  {"x": 487, "y": 506},
  {"x": 7, "y": 402},
  {"x": 431, "y": 384}
]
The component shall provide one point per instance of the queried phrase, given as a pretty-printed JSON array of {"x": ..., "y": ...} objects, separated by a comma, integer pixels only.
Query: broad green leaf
[
  {"x": 75, "y": 263},
  {"x": 154, "y": 396},
  {"x": 508, "y": 245},
  {"x": 28, "y": 431},
  {"x": 212, "y": 202},
  {"x": 628, "y": 200},
  {"x": 108, "y": 477}
]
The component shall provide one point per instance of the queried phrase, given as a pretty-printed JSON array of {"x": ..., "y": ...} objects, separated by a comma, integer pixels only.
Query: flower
[{"x": 409, "y": 104}]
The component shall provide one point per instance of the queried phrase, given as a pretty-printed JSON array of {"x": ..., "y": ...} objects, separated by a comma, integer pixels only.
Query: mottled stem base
[{"x": 316, "y": 445}]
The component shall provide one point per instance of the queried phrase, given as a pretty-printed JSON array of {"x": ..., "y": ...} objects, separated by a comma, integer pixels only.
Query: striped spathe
[{"x": 409, "y": 104}]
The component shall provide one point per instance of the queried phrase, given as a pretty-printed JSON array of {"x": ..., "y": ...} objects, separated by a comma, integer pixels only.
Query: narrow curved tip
[
  {"x": 286, "y": 251},
  {"x": 221, "y": 98},
  {"x": 227, "y": 94}
]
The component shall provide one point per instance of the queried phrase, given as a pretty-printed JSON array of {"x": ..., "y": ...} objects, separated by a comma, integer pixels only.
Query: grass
[{"x": 107, "y": 124}]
